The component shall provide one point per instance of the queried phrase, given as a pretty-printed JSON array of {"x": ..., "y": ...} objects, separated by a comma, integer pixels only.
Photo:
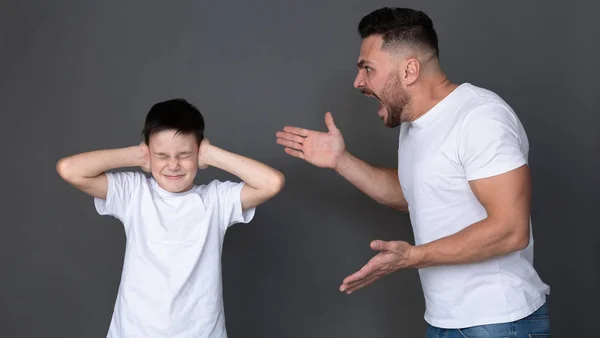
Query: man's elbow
[
  {"x": 520, "y": 238},
  {"x": 394, "y": 203},
  {"x": 402, "y": 207},
  {"x": 397, "y": 206},
  {"x": 521, "y": 242}
]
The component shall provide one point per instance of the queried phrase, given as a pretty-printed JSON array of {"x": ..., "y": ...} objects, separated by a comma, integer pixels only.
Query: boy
[{"x": 171, "y": 279}]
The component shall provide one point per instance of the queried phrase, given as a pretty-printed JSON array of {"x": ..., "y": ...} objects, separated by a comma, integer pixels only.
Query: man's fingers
[
  {"x": 346, "y": 286},
  {"x": 381, "y": 245},
  {"x": 363, "y": 284},
  {"x": 296, "y": 130},
  {"x": 289, "y": 136},
  {"x": 289, "y": 144},
  {"x": 329, "y": 122},
  {"x": 357, "y": 276},
  {"x": 350, "y": 288},
  {"x": 294, "y": 153},
  {"x": 364, "y": 272},
  {"x": 372, "y": 271}
]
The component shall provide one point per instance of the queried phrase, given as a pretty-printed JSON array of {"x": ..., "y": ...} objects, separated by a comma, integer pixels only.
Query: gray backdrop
[{"x": 81, "y": 75}]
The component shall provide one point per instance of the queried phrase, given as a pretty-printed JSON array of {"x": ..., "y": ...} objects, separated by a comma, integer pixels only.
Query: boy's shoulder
[
  {"x": 219, "y": 189},
  {"x": 128, "y": 178},
  {"x": 127, "y": 174},
  {"x": 213, "y": 189},
  {"x": 217, "y": 185}
]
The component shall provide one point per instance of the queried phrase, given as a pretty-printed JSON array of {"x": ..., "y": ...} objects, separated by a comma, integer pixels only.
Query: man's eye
[
  {"x": 185, "y": 156},
  {"x": 368, "y": 69}
]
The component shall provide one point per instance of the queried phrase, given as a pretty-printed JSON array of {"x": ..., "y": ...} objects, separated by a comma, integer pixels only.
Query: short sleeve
[
  {"x": 230, "y": 203},
  {"x": 492, "y": 141},
  {"x": 121, "y": 186}
]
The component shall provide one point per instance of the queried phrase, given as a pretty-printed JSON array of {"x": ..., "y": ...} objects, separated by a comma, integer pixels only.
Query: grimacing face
[
  {"x": 379, "y": 77},
  {"x": 173, "y": 160}
]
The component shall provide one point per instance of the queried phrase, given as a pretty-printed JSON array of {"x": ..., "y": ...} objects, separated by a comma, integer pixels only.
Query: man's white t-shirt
[
  {"x": 171, "y": 281},
  {"x": 471, "y": 134}
]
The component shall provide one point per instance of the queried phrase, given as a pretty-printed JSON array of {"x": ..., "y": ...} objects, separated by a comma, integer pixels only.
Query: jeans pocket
[{"x": 432, "y": 332}]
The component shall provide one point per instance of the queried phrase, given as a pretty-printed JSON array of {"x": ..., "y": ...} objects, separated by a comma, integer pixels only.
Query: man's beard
[{"x": 393, "y": 98}]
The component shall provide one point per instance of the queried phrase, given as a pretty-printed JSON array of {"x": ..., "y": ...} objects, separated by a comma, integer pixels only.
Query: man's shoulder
[
  {"x": 481, "y": 107},
  {"x": 480, "y": 91},
  {"x": 477, "y": 98}
]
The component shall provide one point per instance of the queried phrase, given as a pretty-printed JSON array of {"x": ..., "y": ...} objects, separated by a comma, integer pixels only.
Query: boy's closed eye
[
  {"x": 164, "y": 156},
  {"x": 161, "y": 156}
]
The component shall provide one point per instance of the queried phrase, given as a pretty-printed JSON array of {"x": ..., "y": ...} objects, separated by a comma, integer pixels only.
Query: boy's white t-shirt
[
  {"x": 171, "y": 281},
  {"x": 470, "y": 134}
]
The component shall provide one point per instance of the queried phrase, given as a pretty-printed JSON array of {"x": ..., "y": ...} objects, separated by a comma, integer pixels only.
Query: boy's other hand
[
  {"x": 204, "y": 154},
  {"x": 144, "y": 157}
]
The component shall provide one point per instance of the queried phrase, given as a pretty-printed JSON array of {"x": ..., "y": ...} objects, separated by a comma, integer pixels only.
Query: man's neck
[{"x": 430, "y": 93}]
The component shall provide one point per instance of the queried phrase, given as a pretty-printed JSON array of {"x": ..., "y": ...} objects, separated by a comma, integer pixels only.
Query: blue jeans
[{"x": 536, "y": 325}]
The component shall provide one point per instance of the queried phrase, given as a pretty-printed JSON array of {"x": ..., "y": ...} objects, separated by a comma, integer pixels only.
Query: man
[
  {"x": 462, "y": 175},
  {"x": 171, "y": 281}
]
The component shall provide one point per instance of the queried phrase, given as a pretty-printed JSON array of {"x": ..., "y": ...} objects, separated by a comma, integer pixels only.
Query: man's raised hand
[{"x": 321, "y": 149}]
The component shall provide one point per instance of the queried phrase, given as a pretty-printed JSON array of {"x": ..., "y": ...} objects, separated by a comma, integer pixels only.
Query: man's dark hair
[
  {"x": 175, "y": 114},
  {"x": 400, "y": 26}
]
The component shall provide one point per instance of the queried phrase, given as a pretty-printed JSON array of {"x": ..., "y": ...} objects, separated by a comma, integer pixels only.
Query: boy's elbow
[
  {"x": 274, "y": 185},
  {"x": 267, "y": 191},
  {"x": 277, "y": 183},
  {"x": 66, "y": 170},
  {"x": 63, "y": 168}
]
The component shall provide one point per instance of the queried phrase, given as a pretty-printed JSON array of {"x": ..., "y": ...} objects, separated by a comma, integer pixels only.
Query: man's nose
[{"x": 359, "y": 81}]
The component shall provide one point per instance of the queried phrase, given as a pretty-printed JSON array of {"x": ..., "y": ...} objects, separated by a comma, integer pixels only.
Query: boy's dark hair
[
  {"x": 175, "y": 114},
  {"x": 400, "y": 26}
]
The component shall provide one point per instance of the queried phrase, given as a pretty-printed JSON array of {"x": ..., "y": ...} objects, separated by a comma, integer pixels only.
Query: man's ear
[{"x": 410, "y": 71}]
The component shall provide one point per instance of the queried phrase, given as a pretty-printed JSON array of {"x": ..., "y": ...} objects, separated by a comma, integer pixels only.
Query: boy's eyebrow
[{"x": 187, "y": 152}]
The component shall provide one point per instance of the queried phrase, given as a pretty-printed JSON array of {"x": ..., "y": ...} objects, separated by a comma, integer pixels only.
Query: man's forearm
[
  {"x": 93, "y": 163},
  {"x": 480, "y": 241},
  {"x": 381, "y": 184},
  {"x": 254, "y": 173}
]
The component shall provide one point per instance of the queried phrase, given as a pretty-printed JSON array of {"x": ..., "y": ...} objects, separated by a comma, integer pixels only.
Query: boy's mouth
[{"x": 173, "y": 177}]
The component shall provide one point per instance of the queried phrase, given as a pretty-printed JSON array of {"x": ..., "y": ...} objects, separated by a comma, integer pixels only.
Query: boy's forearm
[
  {"x": 93, "y": 163},
  {"x": 256, "y": 174}
]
